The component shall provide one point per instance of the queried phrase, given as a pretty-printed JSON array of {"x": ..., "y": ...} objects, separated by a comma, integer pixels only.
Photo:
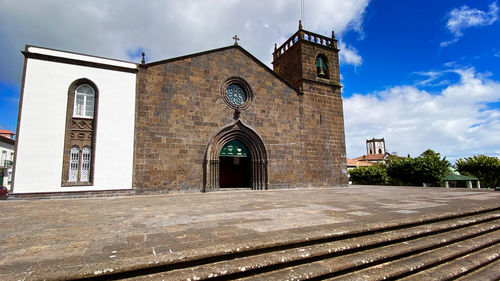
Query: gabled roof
[
  {"x": 459, "y": 178},
  {"x": 245, "y": 52},
  {"x": 6, "y": 132},
  {"x": 371, "y": 157},
  {"x": 356, "y": 163}
]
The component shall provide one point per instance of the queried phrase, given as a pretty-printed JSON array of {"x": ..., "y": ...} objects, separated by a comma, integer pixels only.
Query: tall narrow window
[
  {"x": 85, "y": 169},
  {"x": 84, "y": 101},
  {"x": 79, "y": 140},
  {"x": 73, "y": 164}
]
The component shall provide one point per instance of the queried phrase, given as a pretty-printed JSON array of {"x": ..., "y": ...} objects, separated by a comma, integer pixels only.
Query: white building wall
[
  {"x": 42, "y": 127},
  {"x": 6, "y": 153}
]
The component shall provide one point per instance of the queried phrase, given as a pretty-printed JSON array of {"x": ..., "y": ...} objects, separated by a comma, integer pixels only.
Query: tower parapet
[
  {"x": 308, "y": 57},
  {"x": 304, "y": 35}
]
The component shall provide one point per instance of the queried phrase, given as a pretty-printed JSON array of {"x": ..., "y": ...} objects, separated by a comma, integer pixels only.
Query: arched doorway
[
  {"x": 252, "y": 168},
  {"x": 235, "y": 167}
]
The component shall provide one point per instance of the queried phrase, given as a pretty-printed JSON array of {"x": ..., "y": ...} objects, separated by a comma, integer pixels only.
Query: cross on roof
[{"x": 236, "y": 40}]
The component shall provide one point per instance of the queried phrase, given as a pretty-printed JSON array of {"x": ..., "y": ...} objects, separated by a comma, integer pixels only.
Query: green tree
[
  {"x": 401, "y": 171},
  {"x": 431, "y": 168},
  {"x": 427, "y": 168},
  {"x": 485, "y": 168},
  {"x": 375, "y": 174}
]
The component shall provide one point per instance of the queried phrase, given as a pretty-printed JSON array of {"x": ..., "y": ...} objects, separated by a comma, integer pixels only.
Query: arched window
[
  {"x": 85, "y": 168},
  {"x": 74, "y": 158},
  {"x": 84, "y": 101},
  {"x": 81, "y": 118},
  {"x": 322, "y": 66}
]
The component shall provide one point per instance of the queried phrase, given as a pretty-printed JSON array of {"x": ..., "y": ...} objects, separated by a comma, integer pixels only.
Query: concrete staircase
[{"x": 462, "y": 246}]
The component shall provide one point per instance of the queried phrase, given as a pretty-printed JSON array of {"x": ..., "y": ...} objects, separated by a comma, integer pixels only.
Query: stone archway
[{"x": 258, "y": 155}]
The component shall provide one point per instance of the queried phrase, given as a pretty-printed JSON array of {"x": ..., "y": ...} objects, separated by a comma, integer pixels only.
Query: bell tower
[
  {"x": 310, "y": 62},
  {"x": 308, "y": 57}
]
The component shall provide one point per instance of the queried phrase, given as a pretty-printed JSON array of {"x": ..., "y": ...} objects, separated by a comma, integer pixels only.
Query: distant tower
[
  {"x": 310, "y": 62},
  {"x": 375, "y": 146}
]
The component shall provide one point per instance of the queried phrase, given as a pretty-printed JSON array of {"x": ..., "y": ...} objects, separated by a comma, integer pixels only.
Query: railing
[
  {"x": 307, "y": 36},
  {"x": 6, "y": 163}
]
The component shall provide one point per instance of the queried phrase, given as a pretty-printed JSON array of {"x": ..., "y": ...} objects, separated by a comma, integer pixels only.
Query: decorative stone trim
[
  {"x": 246, "y": 87},
  {"x": 256, "y": 148}
]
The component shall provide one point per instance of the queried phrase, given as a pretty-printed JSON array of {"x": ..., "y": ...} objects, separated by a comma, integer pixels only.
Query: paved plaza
[{"x": 58, "y": 238}]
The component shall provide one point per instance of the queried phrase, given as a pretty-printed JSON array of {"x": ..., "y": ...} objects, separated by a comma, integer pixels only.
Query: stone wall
[
  {"x": 322, "y": 118},
  {"x": 180, "y": 107}
]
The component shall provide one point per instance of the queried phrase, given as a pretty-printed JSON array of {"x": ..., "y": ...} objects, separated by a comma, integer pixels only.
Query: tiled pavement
[{"x": 77, "y": 237}]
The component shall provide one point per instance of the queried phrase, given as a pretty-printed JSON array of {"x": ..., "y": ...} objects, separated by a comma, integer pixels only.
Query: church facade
[{"x": 200, "y": 122}]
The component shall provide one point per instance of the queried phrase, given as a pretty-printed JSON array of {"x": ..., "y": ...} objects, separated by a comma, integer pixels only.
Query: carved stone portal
[{"x": 258, "y": 155}]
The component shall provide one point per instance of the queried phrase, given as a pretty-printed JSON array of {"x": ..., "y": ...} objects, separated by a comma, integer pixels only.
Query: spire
[
  {"x": 300, "y": 24},
  {"x": 143, "y": 61}
]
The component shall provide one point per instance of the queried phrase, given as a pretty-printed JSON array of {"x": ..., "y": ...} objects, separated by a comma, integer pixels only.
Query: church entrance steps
[
  {"x": 439, "y": 247},
  {"x": 315, "y": 233},
  {"x": 466, "y": 265},
  {"x": 488, "y": 272}
]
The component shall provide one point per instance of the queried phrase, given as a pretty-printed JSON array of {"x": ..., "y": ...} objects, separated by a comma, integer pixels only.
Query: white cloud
[
  {"x": 348, "y": 54},
  {"x": 465, "y": 17},
  {"x": 432, "y": 78},
  {"x": 164, "y": 29},
  {"x": 456, "y": 122}
]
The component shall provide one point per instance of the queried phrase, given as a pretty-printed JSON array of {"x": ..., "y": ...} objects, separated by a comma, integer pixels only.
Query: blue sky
[{"x": 421, "y": 74}]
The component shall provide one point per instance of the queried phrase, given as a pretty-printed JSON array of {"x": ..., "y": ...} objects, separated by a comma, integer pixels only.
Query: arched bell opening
[{"x": 252, "y": 168}]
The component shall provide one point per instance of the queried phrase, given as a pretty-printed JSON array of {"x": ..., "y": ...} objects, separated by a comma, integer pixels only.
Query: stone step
[
  {"x": 346, "y": 264},
  {"x": 488, "y": 272},
  {"x": 459, "y": 266},
  {"x": 435, "y": 257},
  {"x": 311, "y": 255}
]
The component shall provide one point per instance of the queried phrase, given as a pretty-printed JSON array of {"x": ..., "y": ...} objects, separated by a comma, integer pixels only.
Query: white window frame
[
  {"x": 86, "y": 99},
  {"x": 85, "y": 164},
  {"x": 74, "y": 159}
]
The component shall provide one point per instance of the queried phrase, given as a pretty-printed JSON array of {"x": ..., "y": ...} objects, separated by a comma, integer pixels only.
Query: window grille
[
  {"x": 85, "y": 169},
  {"x": 73, "y": 164}
]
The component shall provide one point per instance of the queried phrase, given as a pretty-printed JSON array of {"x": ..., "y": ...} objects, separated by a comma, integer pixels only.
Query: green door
[{"x": 234, "y": 165}]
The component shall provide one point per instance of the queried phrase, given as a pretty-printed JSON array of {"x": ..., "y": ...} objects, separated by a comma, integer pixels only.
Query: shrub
[{"x": 375, "y": 175}]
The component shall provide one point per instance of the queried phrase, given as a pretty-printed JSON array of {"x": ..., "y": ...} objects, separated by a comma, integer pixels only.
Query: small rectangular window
[
  {"x": 89, "y": 106},
  {"x": 79, "y": 105}
]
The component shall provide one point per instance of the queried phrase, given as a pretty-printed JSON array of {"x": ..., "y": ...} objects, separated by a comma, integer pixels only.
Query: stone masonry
[{"x": 299, "y": 117}]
